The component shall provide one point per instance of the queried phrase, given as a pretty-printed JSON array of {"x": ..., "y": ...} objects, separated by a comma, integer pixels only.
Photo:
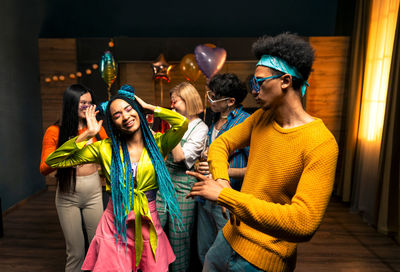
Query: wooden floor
[{"x": 33, "y": 241}]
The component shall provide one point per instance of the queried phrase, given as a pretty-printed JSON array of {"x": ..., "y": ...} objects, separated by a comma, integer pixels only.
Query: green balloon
[{"x": 108, "y": 68}]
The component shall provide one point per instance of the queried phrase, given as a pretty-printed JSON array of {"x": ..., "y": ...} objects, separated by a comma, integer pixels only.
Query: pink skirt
[{"x": 103, "y": 254}]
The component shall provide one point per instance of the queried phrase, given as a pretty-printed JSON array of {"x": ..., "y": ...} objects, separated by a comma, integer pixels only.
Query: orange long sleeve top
[
  {"x": 49, "y": 145},
  {"x": 285, "y": 192}
]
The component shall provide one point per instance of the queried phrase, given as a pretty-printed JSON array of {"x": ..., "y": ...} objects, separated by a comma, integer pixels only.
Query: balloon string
[
  {"x": 205, "y": 104},
  {"x": 155, "y": 92},
  {"x": 161, "y": 92}
]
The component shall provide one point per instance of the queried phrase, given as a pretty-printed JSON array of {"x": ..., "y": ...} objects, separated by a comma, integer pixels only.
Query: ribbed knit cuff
[
  {"x": 219, "y": 172},
  {"x": 229, "y": 197}
]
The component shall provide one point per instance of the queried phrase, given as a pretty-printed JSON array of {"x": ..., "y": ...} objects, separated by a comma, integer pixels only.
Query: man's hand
[
  {"x": 203, "y": 168},
  {"x": 206, "y": 187}
]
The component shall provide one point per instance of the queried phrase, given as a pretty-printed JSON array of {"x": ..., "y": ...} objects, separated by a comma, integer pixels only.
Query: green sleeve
[
  {"x": 72, "y": 153},
  {"x": 173, "y": 136}
]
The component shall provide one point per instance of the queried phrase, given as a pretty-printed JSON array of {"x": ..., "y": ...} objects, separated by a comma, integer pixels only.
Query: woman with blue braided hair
[{"x": 129, "y": 236}]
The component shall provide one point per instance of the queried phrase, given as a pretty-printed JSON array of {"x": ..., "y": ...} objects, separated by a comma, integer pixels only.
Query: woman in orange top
[{"x": 79, "y": 192}]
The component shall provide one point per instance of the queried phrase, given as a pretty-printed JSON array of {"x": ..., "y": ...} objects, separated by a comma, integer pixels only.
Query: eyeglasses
[
  {"x": 255, "y": 83},
  {"x": 211, "y": 97}
]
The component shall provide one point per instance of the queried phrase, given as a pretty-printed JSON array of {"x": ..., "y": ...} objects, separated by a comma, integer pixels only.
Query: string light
[
  {"x": 88, "y": 71},
  {"x": 111, "y": 43}
]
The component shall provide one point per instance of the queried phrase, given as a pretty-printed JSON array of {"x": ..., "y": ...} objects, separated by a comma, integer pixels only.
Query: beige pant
[{"x": 87, "y": 200}]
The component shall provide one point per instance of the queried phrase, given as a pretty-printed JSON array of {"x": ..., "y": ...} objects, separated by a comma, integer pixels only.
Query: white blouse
[{"x": 193, "y": 141}]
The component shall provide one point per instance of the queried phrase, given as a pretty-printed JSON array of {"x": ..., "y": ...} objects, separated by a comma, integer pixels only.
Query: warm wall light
[
  {"x": 380, "y": 41},
  {"x": 377, "y": 68}
]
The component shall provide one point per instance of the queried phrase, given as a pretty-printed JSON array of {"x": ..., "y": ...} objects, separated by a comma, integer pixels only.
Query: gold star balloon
[{"x": 161, "y": 68}]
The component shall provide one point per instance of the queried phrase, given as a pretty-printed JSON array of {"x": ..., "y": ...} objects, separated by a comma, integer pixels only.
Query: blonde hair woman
[{"x": 185, "y": 100}]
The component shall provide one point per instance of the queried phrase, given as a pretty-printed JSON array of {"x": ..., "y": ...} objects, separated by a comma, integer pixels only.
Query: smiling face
[
  {"x": 124, "y": 117},
  {"x": 84, "y": 102},
  {"x": 271, "y": 92}
]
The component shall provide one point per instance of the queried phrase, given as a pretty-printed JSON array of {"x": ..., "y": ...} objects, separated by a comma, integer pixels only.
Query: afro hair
[{"x": 289, "y": 47}]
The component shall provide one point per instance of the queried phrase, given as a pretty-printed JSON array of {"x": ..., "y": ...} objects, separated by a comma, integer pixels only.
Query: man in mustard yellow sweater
[{"x": 290, "y": 171}]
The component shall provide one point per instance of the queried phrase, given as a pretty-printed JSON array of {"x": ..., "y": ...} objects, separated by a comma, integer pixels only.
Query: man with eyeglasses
[
  {"x": 226, "y": 93},
  {"x": 290, "y": 172}
]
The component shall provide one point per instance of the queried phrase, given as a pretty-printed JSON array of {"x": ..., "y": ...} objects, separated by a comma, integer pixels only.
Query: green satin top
[{"x": 72, "y": 153}]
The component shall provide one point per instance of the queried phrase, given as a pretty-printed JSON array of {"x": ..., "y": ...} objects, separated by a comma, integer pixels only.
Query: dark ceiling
[{"x": 117, "y": 18}]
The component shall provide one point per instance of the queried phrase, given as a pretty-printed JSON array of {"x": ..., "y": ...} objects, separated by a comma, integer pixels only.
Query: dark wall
[
  {"x": 182, "y": 18},
  {"x": 20, "y": 108}
]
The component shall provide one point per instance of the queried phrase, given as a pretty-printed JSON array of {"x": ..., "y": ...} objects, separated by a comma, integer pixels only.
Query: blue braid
[
  {"x": 118, "y": 188},
  {"x": 166, "y": 188},
  {"x": 121, "y": 177}
]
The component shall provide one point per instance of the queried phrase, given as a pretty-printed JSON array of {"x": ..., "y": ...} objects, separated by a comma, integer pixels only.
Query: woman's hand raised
[
  {"x": 93, "y": 126},
  {"x": 144, "y": 105}
]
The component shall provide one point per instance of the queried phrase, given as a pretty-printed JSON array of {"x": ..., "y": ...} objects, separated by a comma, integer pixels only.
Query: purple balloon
[{"x": 210, "y": 60}]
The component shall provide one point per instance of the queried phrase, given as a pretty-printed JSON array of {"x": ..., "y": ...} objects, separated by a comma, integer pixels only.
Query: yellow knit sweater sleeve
[{"x": 235, "y": 138}]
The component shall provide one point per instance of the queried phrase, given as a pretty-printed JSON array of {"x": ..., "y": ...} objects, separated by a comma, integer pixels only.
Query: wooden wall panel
[
  {"x": 140, "y": 75},
  {"x": 324, "y": 97},
  {"x": 327, "y": 81},
  {"x": 56, "y": 57}
]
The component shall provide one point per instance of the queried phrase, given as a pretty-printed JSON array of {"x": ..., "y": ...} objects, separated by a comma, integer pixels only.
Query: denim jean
[
  {"x": 222, "y": 257},
  {"x": 209, "y": 221}
]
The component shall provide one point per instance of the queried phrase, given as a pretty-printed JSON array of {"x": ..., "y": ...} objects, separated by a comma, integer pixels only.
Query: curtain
[
  {"x": 388, "y": 211},
  {"x": 352, "y": 100},
  {"x": 381, "y": 35},
  {"x": 370, "y": 166}
]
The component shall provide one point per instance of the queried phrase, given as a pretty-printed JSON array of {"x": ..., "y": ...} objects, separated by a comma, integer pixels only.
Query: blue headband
[
  {"x": 281, "y": 65},
  {"x": 126, "y": 90}
]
